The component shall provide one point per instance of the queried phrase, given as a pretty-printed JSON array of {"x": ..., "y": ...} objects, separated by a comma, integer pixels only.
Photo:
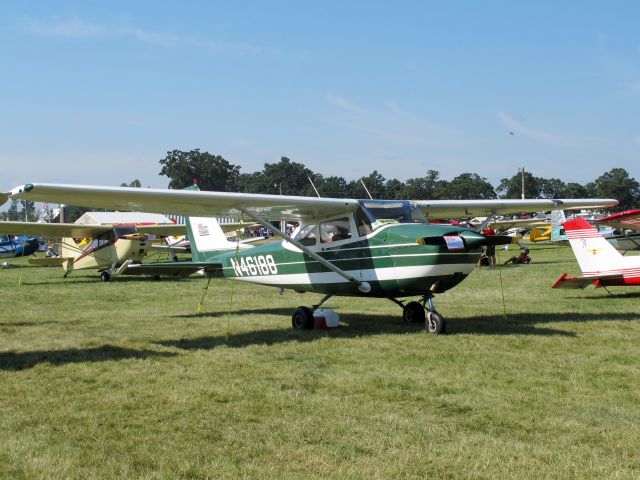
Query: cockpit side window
[
  {"x": 307, "y": 235},
  {"x": 335, "y": 230}
]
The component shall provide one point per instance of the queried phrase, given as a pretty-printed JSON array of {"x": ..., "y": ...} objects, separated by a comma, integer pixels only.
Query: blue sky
[{"x": 98, "y": 92}]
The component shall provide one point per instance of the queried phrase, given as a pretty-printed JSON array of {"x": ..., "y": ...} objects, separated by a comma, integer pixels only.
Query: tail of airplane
[
  {"x": 557, "y": 232},
  {"x": 206, "y": 236},
  {"x": 601, "y": 264},
  {"x": 593, "y": 252}
]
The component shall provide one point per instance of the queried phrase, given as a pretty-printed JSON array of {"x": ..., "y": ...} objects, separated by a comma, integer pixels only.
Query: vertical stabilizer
[
  {"x": 205, "y": 235},
  {"x": 593, "y": 252}
]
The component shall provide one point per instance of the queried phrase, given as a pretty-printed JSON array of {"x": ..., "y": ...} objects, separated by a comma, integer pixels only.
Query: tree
[
  {"x": 212, "y": 172},
  {"x": 133, "y": 183},
  {"x": 552, "y": 188},
  {"x": 331, "y": 187},
  {"x": 12, "y": 214},
  {"x": 575, "y": 190},
  {"x": 512, "y": 187},
  {"x": 287, "y": 178},
  {"x": 394, "y": 189},
  {"x": 617, "y": 184},
  {"x": 470, "y": 186},
  {"x": 428, "y": 187},
  {"x": 375, "y": 184},
  {"x": 28, "y": 213}
]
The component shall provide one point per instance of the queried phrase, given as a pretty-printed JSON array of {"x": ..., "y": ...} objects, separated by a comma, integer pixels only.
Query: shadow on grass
[
  {"x": 606, "y": 295},
  {"x": 25, "y": 360},
  {"x": 354, "y": 326},
  {"x": 26, "y": 324}
]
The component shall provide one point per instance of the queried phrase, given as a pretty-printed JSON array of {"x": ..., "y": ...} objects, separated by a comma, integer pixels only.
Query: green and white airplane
[{"x": 364, "y": 248}]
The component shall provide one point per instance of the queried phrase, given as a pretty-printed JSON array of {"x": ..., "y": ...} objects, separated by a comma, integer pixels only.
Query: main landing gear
[
  {"x": 302, "y": 318},
  {"x": 416, "y": 312}
]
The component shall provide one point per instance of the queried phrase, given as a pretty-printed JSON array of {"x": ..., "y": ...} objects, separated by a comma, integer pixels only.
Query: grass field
[{"x": 124, "y": 380}]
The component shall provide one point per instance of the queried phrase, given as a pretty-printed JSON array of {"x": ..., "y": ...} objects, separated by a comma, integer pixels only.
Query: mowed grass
[{"x": 125, "y": 380}]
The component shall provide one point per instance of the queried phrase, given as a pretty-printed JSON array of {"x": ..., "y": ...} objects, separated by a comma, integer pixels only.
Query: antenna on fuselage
[
  {"x": 314, "y": 187},
  {"x": 366, "y": 189}
]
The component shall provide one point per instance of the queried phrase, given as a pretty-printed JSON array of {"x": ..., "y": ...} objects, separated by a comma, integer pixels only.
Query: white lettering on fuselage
[{"x": 250, "y": 266}]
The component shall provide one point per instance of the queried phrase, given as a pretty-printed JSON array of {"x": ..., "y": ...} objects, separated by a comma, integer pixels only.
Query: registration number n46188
[{"x": 254, "y": 265}]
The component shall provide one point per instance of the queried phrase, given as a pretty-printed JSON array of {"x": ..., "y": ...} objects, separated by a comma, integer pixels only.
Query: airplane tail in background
[
  {"x": 557, "y": 232},
  {"x": 593, "y": 252}
]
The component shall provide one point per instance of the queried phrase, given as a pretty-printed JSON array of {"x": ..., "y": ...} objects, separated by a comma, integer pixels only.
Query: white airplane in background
[{"x": 601, "y": 264}]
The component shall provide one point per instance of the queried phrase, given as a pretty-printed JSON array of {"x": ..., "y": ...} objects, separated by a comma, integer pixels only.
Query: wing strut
[{"x": 364, "y": 287}]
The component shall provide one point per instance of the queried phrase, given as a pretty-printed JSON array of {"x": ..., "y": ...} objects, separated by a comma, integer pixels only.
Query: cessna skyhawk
[{"x": 365, "y": 248}]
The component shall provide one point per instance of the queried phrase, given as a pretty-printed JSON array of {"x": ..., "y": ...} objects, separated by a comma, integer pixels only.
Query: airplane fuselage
[
  {"x": 20, "y": 246},
  {"x": 390, "y": 260}
]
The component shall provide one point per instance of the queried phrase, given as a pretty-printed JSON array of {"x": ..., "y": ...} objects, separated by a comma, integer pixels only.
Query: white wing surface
[
  {"x": 270, "y": 207},
  {"x": 186, "y": 202},
  {"x": 53, "y": 230},
  {"x": 479, "y": 208}
]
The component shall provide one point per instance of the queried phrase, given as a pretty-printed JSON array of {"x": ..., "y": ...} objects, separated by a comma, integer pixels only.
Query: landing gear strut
[
  {"x": 434, "y": 323},
  {"x": 414, "y": 312}
]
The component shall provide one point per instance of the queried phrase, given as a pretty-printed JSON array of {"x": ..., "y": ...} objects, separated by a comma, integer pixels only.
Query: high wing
[
  {"x": 186, "y": 202},
  {"x": 53, "y": 229},
  {"x": 484, "y": 208},
  {"x": 268, "y": 207},
  {"x": 629, "y": 219}
]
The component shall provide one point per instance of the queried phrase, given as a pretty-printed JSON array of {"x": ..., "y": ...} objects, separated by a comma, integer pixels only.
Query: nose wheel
[{"x": 425, "y": 312}]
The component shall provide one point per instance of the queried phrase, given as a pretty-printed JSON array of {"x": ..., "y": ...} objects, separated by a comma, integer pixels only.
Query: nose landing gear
[{"x": 414, "y": 312}]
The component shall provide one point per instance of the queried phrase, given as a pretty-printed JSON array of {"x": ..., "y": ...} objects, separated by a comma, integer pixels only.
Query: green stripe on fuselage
[{"x": 387, "y": 255}]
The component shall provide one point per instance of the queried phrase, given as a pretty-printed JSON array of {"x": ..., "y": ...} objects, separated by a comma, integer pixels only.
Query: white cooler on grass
[{"x": 331, "y": 318}]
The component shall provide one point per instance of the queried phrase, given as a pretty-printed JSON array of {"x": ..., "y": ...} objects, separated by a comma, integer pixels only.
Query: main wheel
[
  {"x": 105, "y": 277},
  {"x": 302, "y": 319},
  {"x": 413, "y": 312},
  {"x": 434, "y": 323}
]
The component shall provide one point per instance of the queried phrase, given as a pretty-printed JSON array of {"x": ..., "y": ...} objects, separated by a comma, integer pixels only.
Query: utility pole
[{"x": 521, "y": 170}]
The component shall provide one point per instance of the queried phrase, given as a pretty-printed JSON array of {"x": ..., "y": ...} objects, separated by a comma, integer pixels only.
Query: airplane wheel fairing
[
  {"x": 413, "y": 312},
  {"x": 302, "y": 319},
  {"x": 434, "y": 323},
  {"x": 105, "y": 277}
]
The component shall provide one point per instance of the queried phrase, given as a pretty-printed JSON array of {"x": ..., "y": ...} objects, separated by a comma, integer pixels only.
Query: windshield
[{"x": 384, "y": 212}]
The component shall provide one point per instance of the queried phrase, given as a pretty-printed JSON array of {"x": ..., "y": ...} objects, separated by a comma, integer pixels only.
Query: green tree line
[{"x": 213, "y": 172}]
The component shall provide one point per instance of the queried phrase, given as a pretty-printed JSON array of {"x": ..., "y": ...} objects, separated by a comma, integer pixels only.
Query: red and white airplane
[{"x": 601, "y": 264}]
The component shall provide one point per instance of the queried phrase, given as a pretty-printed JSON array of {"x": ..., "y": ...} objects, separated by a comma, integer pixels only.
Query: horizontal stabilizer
[
  {"x": 581, "y": 282},
  {"x": 49, "y": 261}
]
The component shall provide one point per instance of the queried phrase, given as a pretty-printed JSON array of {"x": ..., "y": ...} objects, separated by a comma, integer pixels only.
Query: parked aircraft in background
[
  {"x": 110, "y": 249},
  {"x": 20, "y": 246},
  {"x": 601, "y": 264},
  {"x": 624, "y": 228},
  {"x": 365, "y": 248}
]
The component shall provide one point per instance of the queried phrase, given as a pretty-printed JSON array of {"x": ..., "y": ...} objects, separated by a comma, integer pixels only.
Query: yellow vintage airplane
[{"x": 110, "y": 249}]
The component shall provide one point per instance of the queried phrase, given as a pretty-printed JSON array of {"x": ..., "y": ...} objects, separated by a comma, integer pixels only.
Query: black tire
[
  {"x": 105, "y": 277},
  {"x": 302, "y": 319},
  {"x": 434, "y": 323},
  {"x": 413, "y": 312}
]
